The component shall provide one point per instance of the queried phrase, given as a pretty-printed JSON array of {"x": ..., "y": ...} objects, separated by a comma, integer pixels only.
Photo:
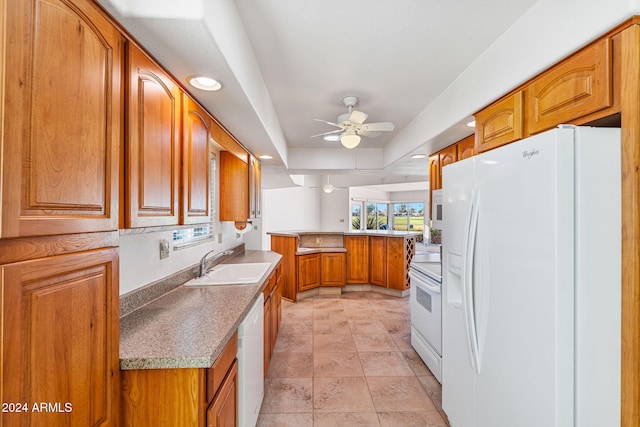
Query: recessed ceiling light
[
  {"x": 266, "y": 157},
  {"x": 204, "y": 83},
  {"x": 472, "y": 124},
  {"x": 418, "y": 156},
  {"x": 332, "y": 138}
]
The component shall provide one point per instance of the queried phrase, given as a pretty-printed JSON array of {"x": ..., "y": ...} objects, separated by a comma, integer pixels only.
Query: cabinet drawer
[
  {"x": 219, "y": 369},
  {"x": 580, "y": 85},
  {"x": 500, "y": 123}
]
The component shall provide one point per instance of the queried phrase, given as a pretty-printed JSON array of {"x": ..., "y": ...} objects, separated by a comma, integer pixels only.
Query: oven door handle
[{"x": 423, "y": 284}]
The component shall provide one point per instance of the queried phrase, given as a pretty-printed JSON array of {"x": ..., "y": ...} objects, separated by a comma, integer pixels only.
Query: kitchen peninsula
[{"x": 316, "y": 262}]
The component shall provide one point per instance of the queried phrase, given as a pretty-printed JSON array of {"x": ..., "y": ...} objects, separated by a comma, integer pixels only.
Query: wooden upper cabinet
[
  {"x": 234, "y": 188},
  {"x": 466, "y": 147},
  {"x": 195, "y": 164},
  {"x": 62, "y": 128},
  {"x": 434, "y": 172},
  {"x": 580, "y": 85},
  {"x": 153, "y": 143},
  {"x": 60, "y": 338},
  {"x": 500, "y": 123},
  {"x": 447, "y": 156},
  {"x": 434, "y": 177},
  {"x": 357, "y": 259},
  {"x": 333, "y": 269},
  {"x": 255, "y": 184}
]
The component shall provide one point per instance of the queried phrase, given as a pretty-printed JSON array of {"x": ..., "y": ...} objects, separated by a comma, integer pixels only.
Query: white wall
[
  {"x": 410, "y": 196},
  {"x": 296, "y": 208},
  {"x": 368, "y": 194},
  {"x": 335, "y": 210},
  {"x": 140, "y": 261}
]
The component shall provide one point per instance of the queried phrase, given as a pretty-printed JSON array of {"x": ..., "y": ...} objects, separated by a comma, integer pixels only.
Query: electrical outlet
[
  {"x": 319, "y": 240},
  {"x": 219, "y": 237},
  {"x": 164, "y": 249}
]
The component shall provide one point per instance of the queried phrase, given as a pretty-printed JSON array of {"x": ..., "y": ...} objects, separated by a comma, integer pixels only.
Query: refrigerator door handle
[{"x": 468, "y": 283}]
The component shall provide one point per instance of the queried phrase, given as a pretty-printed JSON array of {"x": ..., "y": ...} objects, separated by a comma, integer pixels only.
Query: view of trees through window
[
  {"x": 400, "y": 216},
  {"x": 408, "y": 216}
]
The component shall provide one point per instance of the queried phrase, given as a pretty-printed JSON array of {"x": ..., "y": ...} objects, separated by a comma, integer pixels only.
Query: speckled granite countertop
[{"x": 189, "y": 326}]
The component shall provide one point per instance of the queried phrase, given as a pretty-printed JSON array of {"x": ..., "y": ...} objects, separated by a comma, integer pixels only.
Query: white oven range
[{"x": 426, "y": 311}]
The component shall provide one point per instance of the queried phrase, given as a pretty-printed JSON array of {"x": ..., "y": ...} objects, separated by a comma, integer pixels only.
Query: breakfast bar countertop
[{"x": 189, "y": 326}]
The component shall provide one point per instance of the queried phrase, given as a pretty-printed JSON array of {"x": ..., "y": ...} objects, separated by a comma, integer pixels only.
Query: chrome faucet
[{"x": 203, "y": 261}]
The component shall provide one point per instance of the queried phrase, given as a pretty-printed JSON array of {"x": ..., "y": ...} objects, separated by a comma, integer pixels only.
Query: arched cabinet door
[
  {"x": 60, "y": 150},
  {"x": 195, "y": 164},
  {"x": 153, "y": 143}
]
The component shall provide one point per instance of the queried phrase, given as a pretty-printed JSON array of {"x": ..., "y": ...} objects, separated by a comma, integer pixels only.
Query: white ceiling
[{"x": 283, "y": 63}]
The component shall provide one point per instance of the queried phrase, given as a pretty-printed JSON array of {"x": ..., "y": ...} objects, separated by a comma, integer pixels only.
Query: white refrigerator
[{"x": 531, "y": 283}]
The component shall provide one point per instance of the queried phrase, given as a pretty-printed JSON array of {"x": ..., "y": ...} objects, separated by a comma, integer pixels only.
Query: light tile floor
[{"x": 347, "y": 360}]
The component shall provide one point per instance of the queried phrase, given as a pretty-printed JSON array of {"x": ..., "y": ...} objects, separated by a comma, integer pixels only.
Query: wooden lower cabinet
[
  {"x": 357, "y": 259},
  {"x": 223, "y": 411},
  {"x": 276, "y": 315},
  {"x": 267, "y": 335},
  {"x": 378, "y": 260},
  {"x": 287, "y": 247},
  {"x": 308, "y": 272},
  {"x": 272, "y": 315},
  {"x": 333, "y": 269},
  {"x": 185, "y": 397},
  {"x": 400, "y": 251},
  {"x": 60, "y": 339}
]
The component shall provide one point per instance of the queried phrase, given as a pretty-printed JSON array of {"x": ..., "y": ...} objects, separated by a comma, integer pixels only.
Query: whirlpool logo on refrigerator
[{"x": 529, "y": 154}]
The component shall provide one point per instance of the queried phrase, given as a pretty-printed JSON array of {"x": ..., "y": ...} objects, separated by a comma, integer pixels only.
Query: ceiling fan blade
[
  {"x": 329, "y": 123},
  {"x": 369, "y": 134},
  {"x": 377, "y": 127},
  {"x": 358, "y": 117},
  {"x": 327, "y": 133}
]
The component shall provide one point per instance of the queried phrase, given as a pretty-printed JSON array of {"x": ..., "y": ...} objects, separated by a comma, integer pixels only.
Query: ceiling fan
[
  {"x": 351, "y": 125},
  {"x": 328, "y": 187}
]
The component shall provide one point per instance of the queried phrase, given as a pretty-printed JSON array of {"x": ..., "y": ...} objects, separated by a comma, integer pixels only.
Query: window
[
  {"x": 185, "y": 237},
  {"x": 356, "y": 216},
  {"x": 408, "y": 216},
  {"x": 377, "y": 218}
]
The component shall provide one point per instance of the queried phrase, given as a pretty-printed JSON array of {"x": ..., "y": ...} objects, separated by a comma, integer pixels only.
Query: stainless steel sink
[{"x": 232, "y": 274}]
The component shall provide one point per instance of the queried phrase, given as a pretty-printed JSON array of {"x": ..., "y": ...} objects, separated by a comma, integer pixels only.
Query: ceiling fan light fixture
[
  {"x": 350, "y": 139},
  {"x": 328, "y": 188}
]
